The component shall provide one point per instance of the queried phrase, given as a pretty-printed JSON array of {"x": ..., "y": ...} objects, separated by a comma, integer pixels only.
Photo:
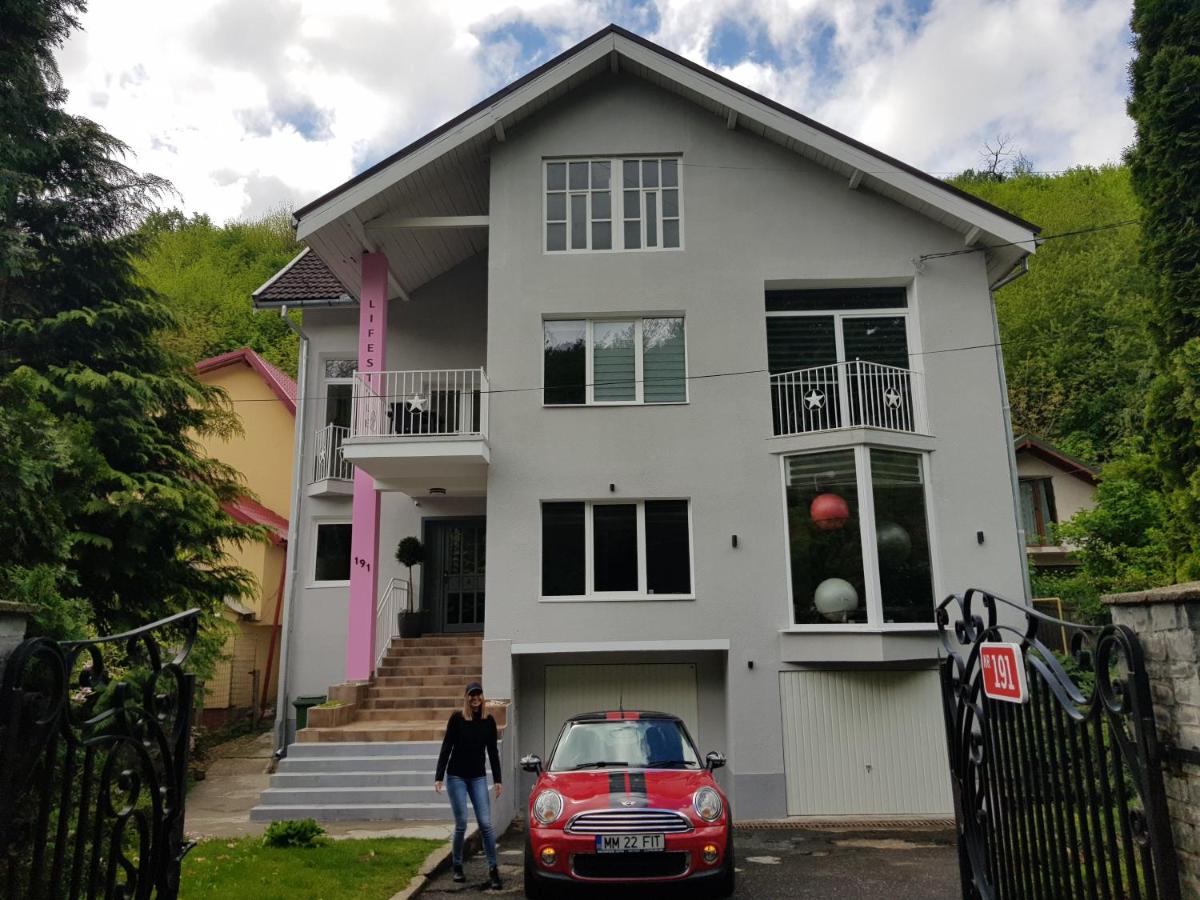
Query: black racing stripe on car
[
  {"x": 637, "y": 782},
  {"x": 616, "y": 787}
]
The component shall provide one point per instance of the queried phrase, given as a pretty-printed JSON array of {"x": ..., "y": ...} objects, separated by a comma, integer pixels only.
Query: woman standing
[{"x": 468, "y": 734}]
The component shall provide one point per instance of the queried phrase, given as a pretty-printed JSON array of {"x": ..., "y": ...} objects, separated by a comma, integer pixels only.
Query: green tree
[
  {"x": 111, "y": 515},
  {"x": 1165, "y": 162},
  {"x": 206, "y": 272},
  {"x": 1076, "y": 346}
]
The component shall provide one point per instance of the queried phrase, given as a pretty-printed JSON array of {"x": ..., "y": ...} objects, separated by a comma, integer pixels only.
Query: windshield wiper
[
  {"x": 599, "y": 764},
  {"x": 667, "y": 763}
]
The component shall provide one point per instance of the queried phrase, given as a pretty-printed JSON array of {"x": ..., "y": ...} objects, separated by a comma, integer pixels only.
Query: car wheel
[
  {"x": 726, "y": 882},
  {"x": 536, "y": 887}
]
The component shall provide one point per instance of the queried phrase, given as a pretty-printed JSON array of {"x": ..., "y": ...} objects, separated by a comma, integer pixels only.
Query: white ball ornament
[{"x": 834, "y": 598}]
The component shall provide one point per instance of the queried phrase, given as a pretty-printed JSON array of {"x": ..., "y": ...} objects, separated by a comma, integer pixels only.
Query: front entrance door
[{"x": 454, "y": 573}]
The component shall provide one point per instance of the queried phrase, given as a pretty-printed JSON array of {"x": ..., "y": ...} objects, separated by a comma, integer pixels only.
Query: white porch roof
[{"x": 445, "y": 172}]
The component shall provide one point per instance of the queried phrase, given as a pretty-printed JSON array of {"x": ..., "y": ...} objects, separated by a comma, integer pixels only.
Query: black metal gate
[
  {"x": 1059, "y": 797},
  {"x": 93, "y": 764}
]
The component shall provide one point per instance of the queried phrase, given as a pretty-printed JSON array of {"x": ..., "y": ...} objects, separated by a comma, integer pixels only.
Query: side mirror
[
  {"x": 714, "y": 760},
  {"x": 533, "y": 763}
]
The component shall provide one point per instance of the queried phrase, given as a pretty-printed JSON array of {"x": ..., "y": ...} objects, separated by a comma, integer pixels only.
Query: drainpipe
[
  {"x": 291, "y": 562},
  {"x": 1008, "y": 432}
]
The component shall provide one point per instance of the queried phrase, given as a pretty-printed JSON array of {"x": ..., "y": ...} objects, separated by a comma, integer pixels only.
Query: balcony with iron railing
[
  {"x": 421, "y": 429},
  {"x": 852, "y": 394},
  {"x": 331, "y": 472}
]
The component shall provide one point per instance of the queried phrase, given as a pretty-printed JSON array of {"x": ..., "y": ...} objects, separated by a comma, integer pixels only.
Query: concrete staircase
[{"x": 373, "y": 758}]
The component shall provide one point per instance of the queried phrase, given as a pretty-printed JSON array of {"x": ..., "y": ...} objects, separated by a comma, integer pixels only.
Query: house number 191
[{"x": 362, "y": 563}]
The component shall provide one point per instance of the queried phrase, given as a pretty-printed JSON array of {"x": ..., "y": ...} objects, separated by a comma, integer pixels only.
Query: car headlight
[
  {"x": 707, "y": 804},
  {"x": 548, "y": 806}
]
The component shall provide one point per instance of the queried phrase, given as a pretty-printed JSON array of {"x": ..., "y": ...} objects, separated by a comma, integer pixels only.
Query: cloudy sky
[{"x": 248, "y": 105}]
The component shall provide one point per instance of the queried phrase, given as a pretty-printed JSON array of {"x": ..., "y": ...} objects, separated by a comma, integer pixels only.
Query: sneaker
[
  {"x": 459, "y": 875},
  {"x": 494, "y": 879}
]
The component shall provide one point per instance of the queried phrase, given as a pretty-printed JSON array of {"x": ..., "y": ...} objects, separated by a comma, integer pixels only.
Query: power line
[{"x": 1035, "y": 241}]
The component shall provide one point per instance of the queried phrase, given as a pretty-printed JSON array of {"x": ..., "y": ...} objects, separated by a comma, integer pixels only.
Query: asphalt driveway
[{"x": 798, "y": 863}]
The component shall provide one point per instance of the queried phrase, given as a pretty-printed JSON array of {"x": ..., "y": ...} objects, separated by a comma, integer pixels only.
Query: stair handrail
[{"x": 387, "y": 615}]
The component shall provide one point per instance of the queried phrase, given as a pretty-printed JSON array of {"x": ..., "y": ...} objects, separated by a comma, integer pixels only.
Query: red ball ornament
[{"x": 829, "y": 512}]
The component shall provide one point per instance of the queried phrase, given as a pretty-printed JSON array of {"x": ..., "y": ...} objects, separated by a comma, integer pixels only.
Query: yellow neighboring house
[{"x": 265, "y": 401}]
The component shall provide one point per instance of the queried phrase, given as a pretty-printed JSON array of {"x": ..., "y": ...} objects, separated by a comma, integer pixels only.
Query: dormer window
[{"x": 582, "y": 204}]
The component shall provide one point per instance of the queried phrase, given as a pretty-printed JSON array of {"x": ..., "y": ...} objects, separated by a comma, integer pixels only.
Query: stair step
[
  {"x": 455, "y": 682},
  {"x": 352, "y": 749},
  {"x": 438, "y": 714},
  {"x": 433, "y": 665},
  {"x": 415, "y": 778},
  {"x": 358, "y": 812},
  {"x": 304, "y": 796},
  {"x": 376, "y": 701},
  {"x": 416, "y": 692},
  {"x": 376, "y": 731},
  {"x": 338, "y": 765}
]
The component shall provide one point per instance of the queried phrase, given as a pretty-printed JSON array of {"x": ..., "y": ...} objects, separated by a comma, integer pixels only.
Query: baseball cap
[{"x": 473, "y": 687}]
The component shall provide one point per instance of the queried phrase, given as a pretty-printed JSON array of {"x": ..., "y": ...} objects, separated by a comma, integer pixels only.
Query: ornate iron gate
[
  {"x": 93, "y": 764},
  {"x": 1059, "y": 797}
]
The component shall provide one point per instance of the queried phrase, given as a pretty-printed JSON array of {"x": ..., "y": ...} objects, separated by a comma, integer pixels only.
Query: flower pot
[{"x": 412, "y": 624}]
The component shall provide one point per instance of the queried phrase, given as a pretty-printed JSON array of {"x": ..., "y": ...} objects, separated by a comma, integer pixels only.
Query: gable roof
[
  {"x": 304, "y": 281},
  {"x": 280, "y": 383},
  {"x": 251, "y": 512},
  {"x": 1047, "y": 452},
  {"x": 453, "y": 166}
]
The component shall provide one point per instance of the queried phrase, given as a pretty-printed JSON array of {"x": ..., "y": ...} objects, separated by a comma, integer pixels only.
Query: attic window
[{"x": 582, "y": 204}]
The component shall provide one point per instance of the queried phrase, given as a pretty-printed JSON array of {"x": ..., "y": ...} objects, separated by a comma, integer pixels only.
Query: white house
[{"x": 696, "y": 405}]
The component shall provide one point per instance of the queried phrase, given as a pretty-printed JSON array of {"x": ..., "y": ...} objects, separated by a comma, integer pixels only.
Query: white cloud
[{"x": 248, "y": 105}]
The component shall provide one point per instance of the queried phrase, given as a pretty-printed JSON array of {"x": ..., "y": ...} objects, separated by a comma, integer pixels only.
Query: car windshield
[{"x": 638, "y": 743}]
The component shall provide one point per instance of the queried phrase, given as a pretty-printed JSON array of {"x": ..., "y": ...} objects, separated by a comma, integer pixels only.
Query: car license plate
[{"x": 629, "y": 843}]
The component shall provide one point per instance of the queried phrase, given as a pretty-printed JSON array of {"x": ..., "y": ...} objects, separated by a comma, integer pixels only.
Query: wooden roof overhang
[{"x": 426, "y": 205}]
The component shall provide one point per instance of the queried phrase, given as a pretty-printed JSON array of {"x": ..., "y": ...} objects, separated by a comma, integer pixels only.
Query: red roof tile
[
  {"x": 251, "y": 512},
  {"x": 282, "y": 384}
]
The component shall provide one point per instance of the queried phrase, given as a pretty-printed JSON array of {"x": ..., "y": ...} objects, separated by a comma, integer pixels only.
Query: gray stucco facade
[{"x": 756, "y": 216}]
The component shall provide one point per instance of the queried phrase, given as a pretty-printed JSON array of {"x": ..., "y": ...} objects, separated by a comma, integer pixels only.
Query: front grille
[
  {"x": 629, "y": 821},
  {"x": 629, "y": 865}
]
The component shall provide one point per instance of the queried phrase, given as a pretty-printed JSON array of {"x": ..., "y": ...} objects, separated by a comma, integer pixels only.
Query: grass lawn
[{"x": 372, "y": 869}]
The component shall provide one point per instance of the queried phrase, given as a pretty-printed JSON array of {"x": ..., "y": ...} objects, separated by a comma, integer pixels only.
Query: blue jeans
[{"x": 477, "y": 789}]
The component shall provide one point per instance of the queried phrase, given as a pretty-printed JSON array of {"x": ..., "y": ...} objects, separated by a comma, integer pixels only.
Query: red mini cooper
[{"x": 626, "y": 798}]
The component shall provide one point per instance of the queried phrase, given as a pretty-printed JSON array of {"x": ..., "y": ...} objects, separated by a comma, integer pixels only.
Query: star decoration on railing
[
  {"x": 814, "y": 399},
  {"x": 417, "y": 403},
  {"x": 892, "y": 398}
]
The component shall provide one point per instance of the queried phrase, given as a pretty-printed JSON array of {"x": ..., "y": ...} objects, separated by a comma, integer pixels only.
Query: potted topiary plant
[{"x": 411, "y": 552}]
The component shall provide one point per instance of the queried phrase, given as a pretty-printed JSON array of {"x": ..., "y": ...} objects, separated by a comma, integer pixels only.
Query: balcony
[
  {"x": 422, "y": 429},
  {"x": 331, "y": 473},
  {"x": 852, "y": 394}
]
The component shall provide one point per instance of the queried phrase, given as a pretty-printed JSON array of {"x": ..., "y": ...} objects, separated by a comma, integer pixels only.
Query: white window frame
[
  {"x": 589, "y": 562},
  {"x": 910, "y": 338},
  {"x": 866, "y": 526},
  {"x": 617, "y": 203},
  {"x": 312, "y": 572},
  {"x": 638, "y": 349},
  {"x": 327, "y": 380}
]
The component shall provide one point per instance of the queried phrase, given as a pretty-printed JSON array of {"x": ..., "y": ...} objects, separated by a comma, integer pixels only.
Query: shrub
[{"x": 302, "y": 833}]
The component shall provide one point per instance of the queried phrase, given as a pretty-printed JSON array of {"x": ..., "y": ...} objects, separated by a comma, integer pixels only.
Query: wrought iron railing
[
  {"x": 420, "y": 403},
  {"x": 93, "y": 764},
  {"x": 328, "y": 460},
  {"x": 1061, "y": 796},
  {"x": 392, "y": 602},
  {"x": 853, "y": 394}
]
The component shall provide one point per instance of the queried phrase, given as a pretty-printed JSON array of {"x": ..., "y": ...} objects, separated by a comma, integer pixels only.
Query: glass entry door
[{"x": 454, "y": 573}]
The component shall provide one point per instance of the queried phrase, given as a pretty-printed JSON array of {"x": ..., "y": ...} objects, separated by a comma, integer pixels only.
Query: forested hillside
[
  {"x": 206, "y": 272},
  {"x": 1076, "y": 347}
]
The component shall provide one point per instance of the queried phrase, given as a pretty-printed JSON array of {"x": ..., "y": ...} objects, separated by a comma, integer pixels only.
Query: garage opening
[{"x": 864, "y": 743}]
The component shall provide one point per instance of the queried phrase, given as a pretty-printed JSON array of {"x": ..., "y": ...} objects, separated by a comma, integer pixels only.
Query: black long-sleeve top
[{"x": 463, "y": 747}]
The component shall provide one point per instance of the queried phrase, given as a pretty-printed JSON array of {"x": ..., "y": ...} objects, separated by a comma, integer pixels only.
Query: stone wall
[
  {"x": 13, "y": 618},
  {"x": 1167, "y": 621}
]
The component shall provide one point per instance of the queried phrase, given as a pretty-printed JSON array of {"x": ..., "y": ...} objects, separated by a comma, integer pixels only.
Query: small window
[
  {"x": 614, "y": 361},
  {"x": 1038, "y": 513},
  {"x": 339, "y": 391},
  {"x": 582, "y": 205},
  {"x": 333, "y": 553},
  {"x": 630, "y": 550}
]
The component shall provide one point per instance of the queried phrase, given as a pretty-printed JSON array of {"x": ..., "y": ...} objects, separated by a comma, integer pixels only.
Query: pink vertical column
[{"x": 364, "y": 542}]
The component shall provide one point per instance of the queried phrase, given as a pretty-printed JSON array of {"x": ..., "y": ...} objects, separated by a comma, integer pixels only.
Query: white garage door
[
  {"x": 662, "y": 687},
  {"x": 864, "y": 743}
]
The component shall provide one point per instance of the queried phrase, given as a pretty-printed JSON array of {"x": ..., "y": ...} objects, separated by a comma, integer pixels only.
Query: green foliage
[
  {"x": 410, "y": 552},
  {"x": 111, "y": 516},
  {"x": 219, "y": 869},
  {"x": 293, "y": 833},
  {"x": 1165, "y": 164},
  {"x": 1075, "y": 339},
  {"x": 206, "y": 274}
]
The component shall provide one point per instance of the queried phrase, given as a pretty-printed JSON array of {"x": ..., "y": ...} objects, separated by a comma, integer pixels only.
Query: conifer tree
[
  {"x": 110, "y": 516},
  {"x": 1165, "y": 164}
]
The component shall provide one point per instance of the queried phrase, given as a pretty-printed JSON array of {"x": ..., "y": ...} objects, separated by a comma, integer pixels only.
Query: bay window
[
  {"x": 614, "y": 361},
  {"x": 858, "y": 538},
  {"x": 618, "y": 550}
]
